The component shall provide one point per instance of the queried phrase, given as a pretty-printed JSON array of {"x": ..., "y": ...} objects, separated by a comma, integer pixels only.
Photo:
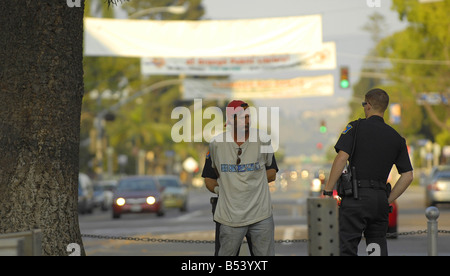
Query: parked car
[
  {"x": 393, "y": 221},
  {"x": 138, "y": 194},
  {"x": 85, "y": 194},
  {"x": 103, "y": 193},
  {"x": 438, "y": 190},
  {"x": 175, "y": 193}
]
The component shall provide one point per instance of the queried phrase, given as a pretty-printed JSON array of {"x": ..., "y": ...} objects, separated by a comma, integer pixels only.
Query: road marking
[{"x": 189, "y": 216}]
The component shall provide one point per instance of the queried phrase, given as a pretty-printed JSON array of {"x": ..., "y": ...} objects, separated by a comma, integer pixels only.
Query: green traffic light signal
[
  {"x": 344, "y": 83},
  {"x": 323, "y": 126}
]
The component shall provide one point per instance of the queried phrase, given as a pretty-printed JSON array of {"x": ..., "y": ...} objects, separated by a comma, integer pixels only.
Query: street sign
[{"x": 433, "y": 98}]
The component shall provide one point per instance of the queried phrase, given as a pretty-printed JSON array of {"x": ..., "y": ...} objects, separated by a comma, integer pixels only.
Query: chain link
[
  {"x": 143, "y": 239},
  {"x": 159, "y": 240}
]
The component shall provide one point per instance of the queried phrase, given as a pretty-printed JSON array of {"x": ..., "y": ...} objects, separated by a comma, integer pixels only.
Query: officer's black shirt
[{"x": 378, "y": 147}]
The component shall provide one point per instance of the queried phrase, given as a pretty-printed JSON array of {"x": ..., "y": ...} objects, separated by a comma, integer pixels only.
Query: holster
[
  {"x": 347, "y": 184},
  {"x": 344, "y": 185},
  {"x": 213, "y": 200}
]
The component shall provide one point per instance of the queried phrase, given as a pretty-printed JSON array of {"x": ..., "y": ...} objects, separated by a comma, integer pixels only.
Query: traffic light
[
  {"x": 344, "y": 80},
  {"x": 323, "y": 127}
]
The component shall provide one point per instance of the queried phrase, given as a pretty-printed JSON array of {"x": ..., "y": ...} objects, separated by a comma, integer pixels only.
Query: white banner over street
[
  {"x": 206, "y": 38},
  {"x": 259, "y": 89},
  {"x": 322, "y": 58}
]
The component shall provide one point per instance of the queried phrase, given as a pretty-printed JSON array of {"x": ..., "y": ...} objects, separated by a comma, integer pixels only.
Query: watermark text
[
  {"x": 74, "y": 3},
  {"x": 190, "y": 128},
  {"x": 373, "y": 3}
]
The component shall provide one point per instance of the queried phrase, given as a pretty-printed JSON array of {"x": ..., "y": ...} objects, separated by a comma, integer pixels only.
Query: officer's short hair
[{"x": 378, "y": 99}]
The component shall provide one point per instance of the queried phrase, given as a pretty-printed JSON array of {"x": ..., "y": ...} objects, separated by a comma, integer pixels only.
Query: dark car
[{"x": 138, "y": 194}]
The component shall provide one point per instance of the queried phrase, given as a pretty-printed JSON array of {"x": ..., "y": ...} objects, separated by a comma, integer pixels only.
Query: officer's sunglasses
[
  {"x": 238, "y": 161},
  {"x": 364, "y": 104}
]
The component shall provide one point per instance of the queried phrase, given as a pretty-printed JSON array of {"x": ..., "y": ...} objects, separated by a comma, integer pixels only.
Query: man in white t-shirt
[{"x": 238, "y": 167}]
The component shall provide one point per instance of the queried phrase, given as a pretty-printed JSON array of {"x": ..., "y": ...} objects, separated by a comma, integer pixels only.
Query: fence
[
  {"x": 27, "y": 243},
  {"x": 322, "y": 234}
]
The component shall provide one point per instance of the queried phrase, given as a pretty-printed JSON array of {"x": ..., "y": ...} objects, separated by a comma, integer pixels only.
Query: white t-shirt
[{"x": 244, "y": 196}]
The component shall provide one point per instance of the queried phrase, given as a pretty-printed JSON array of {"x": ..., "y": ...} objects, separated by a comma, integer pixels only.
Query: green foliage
[
  {"x": 420, "y": 63},
  {"x": 145, "y": 123}
]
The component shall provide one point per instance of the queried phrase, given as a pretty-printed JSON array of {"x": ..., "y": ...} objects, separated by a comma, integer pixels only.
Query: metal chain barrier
[
  {"x": 159, "y": 240},
  {"x": 144, "y": 239}
]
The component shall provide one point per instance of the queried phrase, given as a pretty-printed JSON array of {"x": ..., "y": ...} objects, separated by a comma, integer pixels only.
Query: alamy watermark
[
  {"x": 74, "y": 3},
  {"x": 74, "y": 249},
  {"x": 373, "y": 3},
  {"x": 190, "y": 128}
]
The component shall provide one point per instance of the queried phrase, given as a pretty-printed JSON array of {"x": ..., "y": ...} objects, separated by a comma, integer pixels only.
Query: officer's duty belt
[{"x": 374, "y": 184}]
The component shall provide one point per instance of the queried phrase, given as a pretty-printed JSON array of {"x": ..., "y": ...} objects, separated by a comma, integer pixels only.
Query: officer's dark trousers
[{"x": 369, "y": 215}]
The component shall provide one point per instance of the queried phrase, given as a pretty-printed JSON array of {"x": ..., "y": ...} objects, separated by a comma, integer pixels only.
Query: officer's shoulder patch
[
  {"x": 208, "y": 155},
  {"x": 347, "y": 128}
]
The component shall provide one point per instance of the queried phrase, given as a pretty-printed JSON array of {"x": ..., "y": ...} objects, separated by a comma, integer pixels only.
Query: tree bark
[{"x": 41, "y": 89}]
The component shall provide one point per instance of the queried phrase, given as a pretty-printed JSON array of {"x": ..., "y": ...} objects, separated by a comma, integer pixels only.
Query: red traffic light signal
[{"x": 344, "y": 81}]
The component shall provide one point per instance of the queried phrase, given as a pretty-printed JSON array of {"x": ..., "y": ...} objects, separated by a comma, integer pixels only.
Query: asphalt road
[{"x": 193, "y": 230}]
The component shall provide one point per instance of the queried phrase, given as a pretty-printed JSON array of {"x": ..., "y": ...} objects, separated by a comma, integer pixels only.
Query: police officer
[{"x": 378, "y": 147}]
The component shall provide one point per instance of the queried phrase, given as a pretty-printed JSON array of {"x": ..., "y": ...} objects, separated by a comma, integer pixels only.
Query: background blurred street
[{"x": 290, "y": 224}]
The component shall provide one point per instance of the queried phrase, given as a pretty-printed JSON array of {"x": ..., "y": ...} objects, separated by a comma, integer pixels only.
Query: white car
[{"x": 85, "y": 194}]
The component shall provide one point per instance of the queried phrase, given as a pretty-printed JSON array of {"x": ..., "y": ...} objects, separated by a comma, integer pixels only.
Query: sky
[{"x": 343, "y": 22}]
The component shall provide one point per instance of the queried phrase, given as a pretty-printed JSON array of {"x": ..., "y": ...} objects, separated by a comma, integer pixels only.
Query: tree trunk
[{"x": 41, "y": 89}]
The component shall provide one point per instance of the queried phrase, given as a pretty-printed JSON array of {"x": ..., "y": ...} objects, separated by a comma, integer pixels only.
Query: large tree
[
  {"x": 420, "y": 57},
  {"x": 41, "y": 90}
]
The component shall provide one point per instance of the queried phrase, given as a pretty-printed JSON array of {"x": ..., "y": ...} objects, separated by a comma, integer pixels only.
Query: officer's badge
[{"x": 347, "y": 128}]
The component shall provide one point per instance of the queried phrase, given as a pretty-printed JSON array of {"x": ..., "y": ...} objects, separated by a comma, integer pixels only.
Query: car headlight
[
  {"x": 316, "y": 185},
  {"x": 151, "y": 200},
  {"x": 120, "y": 201}
]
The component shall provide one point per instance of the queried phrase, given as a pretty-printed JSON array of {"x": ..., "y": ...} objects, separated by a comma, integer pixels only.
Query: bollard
[
  {"x": 323, "y": 227},
  {"x": 432, "y": 214}
]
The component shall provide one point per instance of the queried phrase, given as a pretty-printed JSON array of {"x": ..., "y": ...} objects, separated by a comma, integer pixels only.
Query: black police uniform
[{"x": 378, "y": 147}]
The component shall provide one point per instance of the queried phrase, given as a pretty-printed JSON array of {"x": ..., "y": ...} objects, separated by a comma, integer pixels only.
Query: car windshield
[
  {"x": 137, "y": 185},
  {"x": 443, "y": 176},
  {"x": 167, "y": 182}
]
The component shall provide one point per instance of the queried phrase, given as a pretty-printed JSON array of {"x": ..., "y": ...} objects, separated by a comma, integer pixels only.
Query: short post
[
  {"x": 432, "y": 214},
  {"x": 323, "y": 227}
]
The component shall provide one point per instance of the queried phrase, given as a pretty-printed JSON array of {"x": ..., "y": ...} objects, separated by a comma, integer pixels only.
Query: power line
[{"x": 398, "y": 60}]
